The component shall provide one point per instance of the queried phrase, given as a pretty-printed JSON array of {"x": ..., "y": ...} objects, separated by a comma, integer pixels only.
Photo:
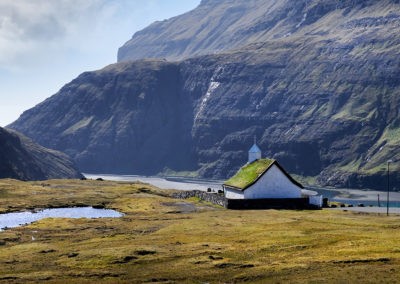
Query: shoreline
[
  {"x": 182, "y": 183},
  {"x": 379, "y": 210}
]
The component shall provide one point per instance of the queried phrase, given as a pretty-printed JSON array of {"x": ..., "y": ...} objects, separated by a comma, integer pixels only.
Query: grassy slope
[
  {"x": 248, "y": 173},
  {"x": 156, "y": 242}
]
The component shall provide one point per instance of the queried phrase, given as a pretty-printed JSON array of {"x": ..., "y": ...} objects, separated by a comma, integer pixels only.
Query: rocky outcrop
[
  {"x": 218, "y": 26},
  {"x": 322, "y": 101},
  {"x": 23, "y": 159}
]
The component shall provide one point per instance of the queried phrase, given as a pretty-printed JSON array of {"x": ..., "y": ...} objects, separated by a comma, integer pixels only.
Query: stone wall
[
  {"x": 269, "y": 203},
  {"x": 209, "y": 197}
]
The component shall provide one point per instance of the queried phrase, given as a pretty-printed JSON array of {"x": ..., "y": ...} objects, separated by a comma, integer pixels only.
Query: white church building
[{"x": 264, "y": 179}]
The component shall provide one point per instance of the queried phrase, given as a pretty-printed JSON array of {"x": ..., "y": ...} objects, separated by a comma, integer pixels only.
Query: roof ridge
[{"x": 272, "y": 162}]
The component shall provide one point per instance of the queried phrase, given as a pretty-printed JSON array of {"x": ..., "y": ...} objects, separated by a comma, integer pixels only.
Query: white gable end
[
  {"x": 233, "y": 194},
  {"x": 254, "y": 156},
  {"x": 273, "y": 184},
  {"x": 254, "y": 153}
]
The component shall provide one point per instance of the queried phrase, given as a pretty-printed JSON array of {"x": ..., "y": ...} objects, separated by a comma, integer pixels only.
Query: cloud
[
  {"x": 28, "y": 22},
  {"x": 46, "y": 43},
  {"x": 28, "y": 27},
  {"x": 37, "y": 32}
]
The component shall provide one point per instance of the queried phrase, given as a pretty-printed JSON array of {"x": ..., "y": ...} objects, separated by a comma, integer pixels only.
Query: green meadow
[{"x": 164, "y": 240}]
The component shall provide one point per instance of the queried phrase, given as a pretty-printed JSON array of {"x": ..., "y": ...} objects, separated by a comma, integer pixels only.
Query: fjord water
[
  {"x": 177, "y": 183},
  {"x": 12, "y": 220},
  {"x": 345, "y": 195}
]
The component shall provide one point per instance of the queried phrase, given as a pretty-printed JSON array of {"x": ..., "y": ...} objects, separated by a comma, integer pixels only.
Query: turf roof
[{"x": 249, "y": 173}]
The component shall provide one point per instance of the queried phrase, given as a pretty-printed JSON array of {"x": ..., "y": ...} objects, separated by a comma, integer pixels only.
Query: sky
[{"x": 44, "y": 44}]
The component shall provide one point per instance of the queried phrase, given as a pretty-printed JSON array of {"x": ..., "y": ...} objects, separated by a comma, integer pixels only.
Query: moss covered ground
[
  {"x": 248, "y": 173},
  {"x": 174, "y": 241}
]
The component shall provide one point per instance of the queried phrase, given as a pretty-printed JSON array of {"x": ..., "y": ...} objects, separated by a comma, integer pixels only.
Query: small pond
[{"x": 12, "y": 220}]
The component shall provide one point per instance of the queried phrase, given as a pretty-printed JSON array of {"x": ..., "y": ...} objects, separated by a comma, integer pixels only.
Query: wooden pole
[{"x": 387, "y": 204}]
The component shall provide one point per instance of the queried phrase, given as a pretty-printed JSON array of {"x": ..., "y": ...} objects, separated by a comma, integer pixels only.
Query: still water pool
[{"x": 12, "y": 220}]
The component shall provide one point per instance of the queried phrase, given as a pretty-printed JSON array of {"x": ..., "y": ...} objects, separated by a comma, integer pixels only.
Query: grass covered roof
[{"x": 249, "y": 173}]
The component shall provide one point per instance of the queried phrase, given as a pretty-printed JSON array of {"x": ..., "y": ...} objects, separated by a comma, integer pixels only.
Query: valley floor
[{"x": 172, "y": 241}]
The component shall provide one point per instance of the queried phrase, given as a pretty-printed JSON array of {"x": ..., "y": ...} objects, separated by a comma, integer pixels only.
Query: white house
[
  {"x": 264, "y": 179},
  {"x": 261, "y": 178}
]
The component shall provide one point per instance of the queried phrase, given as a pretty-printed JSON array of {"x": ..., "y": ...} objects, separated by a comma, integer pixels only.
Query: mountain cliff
[
  {"x": 317, "y": 84},
  {"x": 220, "y": 25},
  {"x": 23, "y": 159}
]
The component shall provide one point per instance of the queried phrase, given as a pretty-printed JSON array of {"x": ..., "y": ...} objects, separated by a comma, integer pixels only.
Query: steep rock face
[
  {"x": 323, "y": 102},
  {"x": 125, "y": 118},
  {"x": 216, "y": 26},
  {"x": 23, "y": 159}
]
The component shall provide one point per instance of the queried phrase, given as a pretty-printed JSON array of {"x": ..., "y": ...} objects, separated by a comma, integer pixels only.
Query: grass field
[{"x": 172, "y": 241}]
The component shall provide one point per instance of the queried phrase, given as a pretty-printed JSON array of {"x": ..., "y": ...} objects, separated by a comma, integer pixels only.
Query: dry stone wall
[
  {"x": 209, "y": 197},
  {"x": 269, "y": 203}
]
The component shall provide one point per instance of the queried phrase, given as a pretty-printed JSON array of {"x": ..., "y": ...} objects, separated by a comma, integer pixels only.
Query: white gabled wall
[
  {"x": 233, "y": 194},
  {"x": 273, "y": 184},
  {"x": 254, "y": 156}
]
